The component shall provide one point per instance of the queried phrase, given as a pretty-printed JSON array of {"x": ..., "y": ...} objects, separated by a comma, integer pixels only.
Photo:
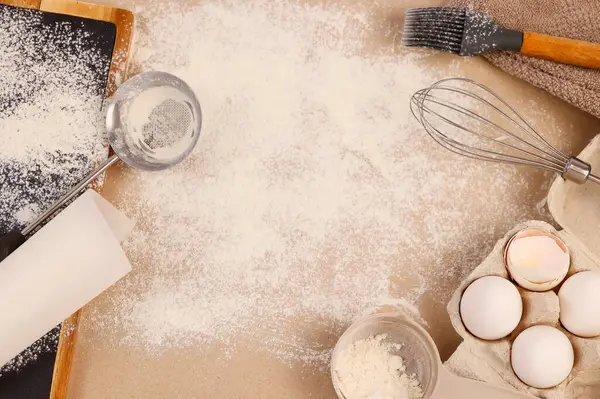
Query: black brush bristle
[{"x": 439, "y": 28}]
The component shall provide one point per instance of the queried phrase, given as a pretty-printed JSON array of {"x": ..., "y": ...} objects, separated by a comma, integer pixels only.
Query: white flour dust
[
  {"x": 51, "y": 127},
  {"x": 312, "y": 194},
  {"x": 52, "y": 108},
  {"x": 370, "y": 368},
  {"x": 27, "y": 214}
]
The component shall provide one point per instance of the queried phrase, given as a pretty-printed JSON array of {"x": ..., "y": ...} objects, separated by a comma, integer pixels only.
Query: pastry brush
[{"x": 467, "y": 32}]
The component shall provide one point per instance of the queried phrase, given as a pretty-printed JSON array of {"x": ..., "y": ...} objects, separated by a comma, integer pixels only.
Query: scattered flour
[
  {"x": 51, "y": 127},
  {"x": 27, "y": 214},
  {"x": 312, "y": 194},
  {"x": 47, "y": 343},
  {"x": 369, "y": 369}
]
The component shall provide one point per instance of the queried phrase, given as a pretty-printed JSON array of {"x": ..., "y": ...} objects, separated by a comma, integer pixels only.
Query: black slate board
[{"x": 33, "y": 379}]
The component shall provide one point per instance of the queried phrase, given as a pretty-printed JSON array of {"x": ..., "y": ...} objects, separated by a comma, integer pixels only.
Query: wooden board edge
[
  {"x": 123, "y": 46},
  {"x": 35, "y": 4},
  {"x": 64, "y": 357}
]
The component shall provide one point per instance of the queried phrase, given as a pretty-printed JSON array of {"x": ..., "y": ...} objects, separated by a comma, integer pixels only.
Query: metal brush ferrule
[{"x": 577, "y": 171}]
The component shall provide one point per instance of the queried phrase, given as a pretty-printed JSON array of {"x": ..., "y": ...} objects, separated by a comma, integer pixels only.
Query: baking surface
[{"x": 242, "y": 369}]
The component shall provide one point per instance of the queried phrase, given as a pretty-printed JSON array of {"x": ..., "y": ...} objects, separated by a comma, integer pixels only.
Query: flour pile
[
  {"x": 369, "y": 368},
  {"x": 312, "y": 194},
  {"x": 51, "y": 128}
]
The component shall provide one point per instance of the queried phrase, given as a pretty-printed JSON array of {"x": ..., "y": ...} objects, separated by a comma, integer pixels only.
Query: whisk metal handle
[
  {"x": 594, "y": 178},
  {"x": 578, "y": 171}
]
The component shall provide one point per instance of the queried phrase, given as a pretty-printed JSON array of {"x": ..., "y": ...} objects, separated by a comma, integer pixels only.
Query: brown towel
[{"x": 575, "y": 19}]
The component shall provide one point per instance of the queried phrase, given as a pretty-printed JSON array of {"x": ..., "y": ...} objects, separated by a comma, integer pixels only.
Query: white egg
[
  {"x": 580, "y": 304},
  {"x": 542, "y": 357},
  {"x": 491, "y": 308},
  {"x": 537, "y": 260}
]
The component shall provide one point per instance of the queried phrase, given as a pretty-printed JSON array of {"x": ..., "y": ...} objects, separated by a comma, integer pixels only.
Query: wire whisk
[{"x": 469, "y": 119}]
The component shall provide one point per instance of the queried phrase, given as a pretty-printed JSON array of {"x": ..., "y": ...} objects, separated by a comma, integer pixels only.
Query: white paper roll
[{"x": 66, "y": 264}]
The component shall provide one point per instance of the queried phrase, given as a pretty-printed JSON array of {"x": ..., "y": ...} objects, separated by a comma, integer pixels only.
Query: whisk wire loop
[
  {"x": 454, "y": 112},
  {"x": 527, "y": 129},
  {"x": 477, "y": 153},
  {"x": 436, "y": 100}
]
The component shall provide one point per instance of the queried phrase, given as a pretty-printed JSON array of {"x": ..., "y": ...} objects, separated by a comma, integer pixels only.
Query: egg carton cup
[{"x": 577, "y": 209}]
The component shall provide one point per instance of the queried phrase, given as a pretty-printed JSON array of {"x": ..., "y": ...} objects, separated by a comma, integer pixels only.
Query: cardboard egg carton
[{"x": 577, "y": 209}]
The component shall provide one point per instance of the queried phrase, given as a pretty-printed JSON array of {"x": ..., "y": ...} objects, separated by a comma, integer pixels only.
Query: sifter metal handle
[{"x": 65, "y": 198}]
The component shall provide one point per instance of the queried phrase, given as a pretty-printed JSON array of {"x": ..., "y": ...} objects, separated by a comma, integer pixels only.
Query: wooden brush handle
[{"x": 559, "y": 49}]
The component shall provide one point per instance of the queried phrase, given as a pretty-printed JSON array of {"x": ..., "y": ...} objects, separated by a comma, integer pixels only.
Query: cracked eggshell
[{"x": 537, "y": 260}]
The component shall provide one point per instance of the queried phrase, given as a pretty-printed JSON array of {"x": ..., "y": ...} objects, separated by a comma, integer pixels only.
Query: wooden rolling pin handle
[{"x": 559, "y": 49}]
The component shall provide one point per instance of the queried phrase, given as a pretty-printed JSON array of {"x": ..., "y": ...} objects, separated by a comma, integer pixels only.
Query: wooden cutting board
[{"x": 123, "y": 22}]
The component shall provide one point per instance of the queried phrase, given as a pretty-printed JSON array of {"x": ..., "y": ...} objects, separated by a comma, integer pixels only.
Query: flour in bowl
[{"x": 369, "y": 369}]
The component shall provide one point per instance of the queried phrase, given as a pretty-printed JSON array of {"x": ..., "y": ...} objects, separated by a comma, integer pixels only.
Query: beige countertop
[{"x": 104, "y": 370}]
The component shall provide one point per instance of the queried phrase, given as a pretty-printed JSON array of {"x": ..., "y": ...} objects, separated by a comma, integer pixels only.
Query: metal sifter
[
  {"x": 153, "y": 122},
  {"x": 421, "y": 358}
]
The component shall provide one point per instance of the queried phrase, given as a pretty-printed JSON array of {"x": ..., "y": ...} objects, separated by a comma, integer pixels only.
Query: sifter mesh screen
[{"x": 169, "y": 122}]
